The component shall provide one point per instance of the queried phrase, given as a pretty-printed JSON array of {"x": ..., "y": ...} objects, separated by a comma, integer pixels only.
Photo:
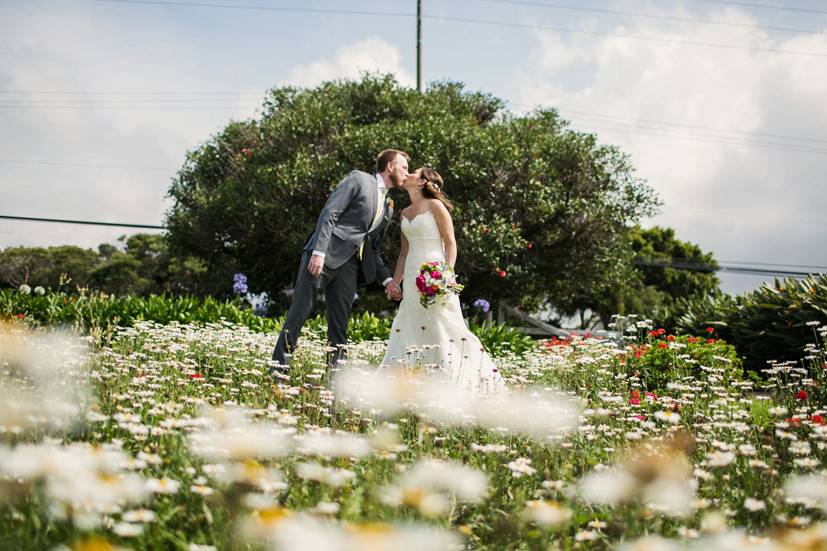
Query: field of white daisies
[{"x": 174, "y": 437}]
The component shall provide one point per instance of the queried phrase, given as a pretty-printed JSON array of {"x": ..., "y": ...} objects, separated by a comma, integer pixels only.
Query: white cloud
[
  {"x": 720, "y": 195},
  {"x": 77, "y": 49},
  {"x": 368, "y": 55}
]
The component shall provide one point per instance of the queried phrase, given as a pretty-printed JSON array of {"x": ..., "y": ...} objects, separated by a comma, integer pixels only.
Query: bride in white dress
[{"x": 434, "y": 338}]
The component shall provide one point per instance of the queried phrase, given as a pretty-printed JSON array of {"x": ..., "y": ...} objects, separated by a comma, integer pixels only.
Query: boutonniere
[{"x": 389, "y": 202}]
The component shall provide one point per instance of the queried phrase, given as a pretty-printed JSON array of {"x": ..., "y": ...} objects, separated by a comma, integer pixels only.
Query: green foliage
[
  {"x": 647, "y": 287},
  {"x": 101, "y": 315},
  {"x": 767, "y": 324},
  {"x": 499, "y": 339},
  {"x": 541, "y": 209},
  {"x": 662, "y": 359},
  {"x": 144, "y": 266},
  {"x": 46, "y": 267}
]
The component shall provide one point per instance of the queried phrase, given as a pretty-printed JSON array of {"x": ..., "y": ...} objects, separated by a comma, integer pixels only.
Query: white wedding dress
[{"x": 436, "y": 337}]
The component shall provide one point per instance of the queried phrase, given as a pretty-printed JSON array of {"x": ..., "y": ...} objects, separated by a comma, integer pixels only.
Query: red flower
[
  {"x": 634, "y": 398},
  {"x": 692, "y": 340},
  {"x": 710, "y": 330},
  {"x": 661, "y": 331},
  {"x": 670, "y": 338},
  {"x": 801, "y": 395},
  {"x": 817, "y": 419},
  {"x": 793, "y": 421},
  {"x": 640, "y": 417},
  {"x": 21, "y": 316},
  {"x": 502, "y": 273},
  {"x": 662, "y": 345},
  {"x": 710, "y": 341},
  {"x": 529, "y": 246},
  {"x": 653, "y": 333},
  {"x": 196, "y": 376},
  {"x": 436, "y": 275},
  {"x": 652, "y": 395},
  {"x": 420, "y": 283}
]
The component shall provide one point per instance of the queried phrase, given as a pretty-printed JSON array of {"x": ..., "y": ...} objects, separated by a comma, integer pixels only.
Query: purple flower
[
  {"x": 240, "y": 284},
  {"x": 482, "y": 304}
]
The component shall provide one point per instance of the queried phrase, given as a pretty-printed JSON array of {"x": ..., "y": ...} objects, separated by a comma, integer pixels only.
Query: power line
[
  {"x": 258, "y": 8},
  {"x": 622, "y": 35},
  {"x": 82, "y": 222},
  {"x": 624, "y": 128},
  {"x": 466, "y": 20},
  {"x": 652, "y": 16},
  {"x": 85, "y": 165},
  {"x": 755, "y": 262},
  {"x": 674, "y": 263},
  {"x": 648, "y": 126},
  {"x": 763, "y": 6},
  {"x": 132, "y": 93},
  {"x": 718, "y": 213},
  {"x": 706, "y": 268},
  {"x": 691, "y": 126}
]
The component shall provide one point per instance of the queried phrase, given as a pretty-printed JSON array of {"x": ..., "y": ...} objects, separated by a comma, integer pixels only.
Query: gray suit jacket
[{"x": 345, "y": 221}]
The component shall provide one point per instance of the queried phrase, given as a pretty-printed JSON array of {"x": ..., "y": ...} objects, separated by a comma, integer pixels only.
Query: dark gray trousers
[{"x": 339, "y": 288}]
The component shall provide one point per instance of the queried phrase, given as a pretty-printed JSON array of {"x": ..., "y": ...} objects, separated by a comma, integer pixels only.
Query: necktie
[{"x": 382, "y": 191}]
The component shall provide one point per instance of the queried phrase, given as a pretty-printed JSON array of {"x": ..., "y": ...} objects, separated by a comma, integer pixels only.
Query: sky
[{"x": 719, "y": 104}]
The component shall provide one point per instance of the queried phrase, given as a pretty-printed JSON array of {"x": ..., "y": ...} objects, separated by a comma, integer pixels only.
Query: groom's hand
[
  {"x": 315, "y": 265},
  {"x": 393, "y": 291}
]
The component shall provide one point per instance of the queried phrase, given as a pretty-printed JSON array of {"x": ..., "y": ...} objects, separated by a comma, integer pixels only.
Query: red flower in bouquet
[{"x": 420, "y": 283}]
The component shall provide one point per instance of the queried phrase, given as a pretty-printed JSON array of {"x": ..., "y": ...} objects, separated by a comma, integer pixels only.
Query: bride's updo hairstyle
[{"x": 434, "y": 187}]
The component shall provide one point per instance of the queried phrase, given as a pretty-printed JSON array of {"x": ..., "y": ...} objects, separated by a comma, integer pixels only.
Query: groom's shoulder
[{"x": 359, "y": 175}]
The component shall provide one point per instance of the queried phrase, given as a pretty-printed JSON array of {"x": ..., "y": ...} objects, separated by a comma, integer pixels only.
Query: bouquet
[{"x": 436, "y": 280}]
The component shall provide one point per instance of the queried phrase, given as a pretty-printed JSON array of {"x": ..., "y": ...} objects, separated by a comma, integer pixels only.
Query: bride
[{"x": 435, "y": 337}]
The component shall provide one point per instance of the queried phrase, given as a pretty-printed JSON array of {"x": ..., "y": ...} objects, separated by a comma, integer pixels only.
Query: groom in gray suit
[{"x": 342, "y": 251}]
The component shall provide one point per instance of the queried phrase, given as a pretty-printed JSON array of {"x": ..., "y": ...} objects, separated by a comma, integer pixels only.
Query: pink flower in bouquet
[
  {"x": 420, "y": 283},
  {"x": 432, "y": 290},
  {"x": 433, "y": 264},
  {"x": 436, "y": 275}
]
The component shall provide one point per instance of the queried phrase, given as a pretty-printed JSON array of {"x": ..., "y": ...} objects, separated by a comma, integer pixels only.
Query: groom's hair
[{"x": 388, "y": 156}]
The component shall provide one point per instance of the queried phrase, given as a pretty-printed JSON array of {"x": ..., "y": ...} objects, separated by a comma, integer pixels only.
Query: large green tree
[
  {"x": 663, "y": 270},
  {"x": 541, "y": 210}
]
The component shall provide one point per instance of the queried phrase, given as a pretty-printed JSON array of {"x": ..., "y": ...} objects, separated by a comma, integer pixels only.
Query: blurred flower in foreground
[
  {"x": 332, "y": 445},
  {"x": 540, "y": 413},
  {"x": 285, "y": 529},
  {"x": 42, "y": 383},
  {"x": 82, "y": 482},
  {"x": 231, "y": 435},
  {"x": 546, "y": 513},
  {"x": 658, "y": 473},
  {"x": 809, "y": 490},
  {"x": 429, "y": 485}
]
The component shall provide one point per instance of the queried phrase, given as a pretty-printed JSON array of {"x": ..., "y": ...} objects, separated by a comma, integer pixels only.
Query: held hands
[
  {"x": 393, "y": 291},
  {"x": 315, "y": 265}
]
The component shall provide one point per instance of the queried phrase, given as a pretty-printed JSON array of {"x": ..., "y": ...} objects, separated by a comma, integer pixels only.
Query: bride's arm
[
  {"x": 446, "y": 231},
  {"x": 399, "y": 272}
]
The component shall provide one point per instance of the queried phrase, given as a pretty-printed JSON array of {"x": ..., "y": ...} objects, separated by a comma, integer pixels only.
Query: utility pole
[{"x": 419, "y": 45}]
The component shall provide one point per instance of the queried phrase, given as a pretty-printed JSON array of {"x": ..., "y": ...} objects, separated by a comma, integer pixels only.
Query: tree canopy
[{"x": 541, "y": 210}]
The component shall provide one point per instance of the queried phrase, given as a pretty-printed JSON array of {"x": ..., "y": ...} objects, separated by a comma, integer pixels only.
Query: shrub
[
  {"x": 100, "y": 315},
  {"x": 662, "y": 358},
  {"x": 767, "y": 324}
]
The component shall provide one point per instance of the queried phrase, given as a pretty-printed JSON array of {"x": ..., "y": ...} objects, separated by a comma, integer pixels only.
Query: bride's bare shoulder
[{"x": 438, "y": 207}]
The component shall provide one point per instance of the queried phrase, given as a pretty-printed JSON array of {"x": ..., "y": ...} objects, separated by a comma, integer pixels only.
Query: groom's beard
[{"x": 396, "y": 181}]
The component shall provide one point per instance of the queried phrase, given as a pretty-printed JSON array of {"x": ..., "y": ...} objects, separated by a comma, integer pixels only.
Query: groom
[{"x": 344, "y": 249}]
